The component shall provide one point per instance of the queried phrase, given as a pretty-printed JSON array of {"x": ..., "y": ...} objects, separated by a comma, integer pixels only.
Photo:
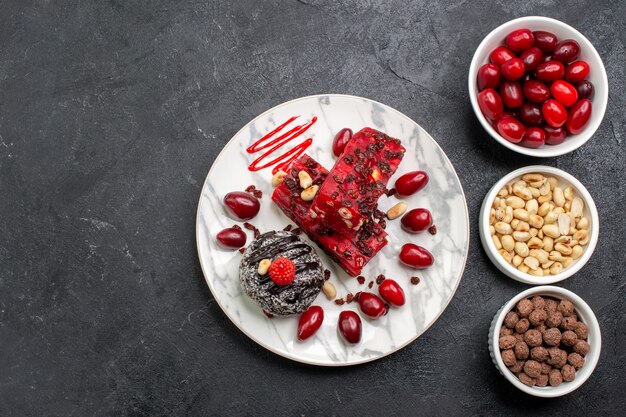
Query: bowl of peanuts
[
  {"x": 546, "y": 341},
  {"x": 539, "y": 225}
]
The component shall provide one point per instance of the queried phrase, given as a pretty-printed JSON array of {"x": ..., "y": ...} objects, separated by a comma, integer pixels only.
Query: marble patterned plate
[{"x": 443, "y": 196}]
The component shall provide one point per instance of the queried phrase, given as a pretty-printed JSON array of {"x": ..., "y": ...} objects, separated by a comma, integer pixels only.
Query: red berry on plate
[
  {"x": 490, "y": 104},
  {"x": 282, "y": 271},
  {"x": 310, "y": 321},
  {"x": 566, "y": 51},
  {"x": 535, "y": 137},
  {"x": 536, "y": 91},
  {"x": 564, "y": 93},
  {"x": 416, "y": 220},
  {"x": 545, "y": 41},
  {"x": 579, "y": 116},
  {"x": 576, "y": 72},
  {"x": 231, "y": 238},
  {"x": 371, "y": 305},
  {"x": 511, "y": 94},
  {"x": 585, "y": 89},
  {"x": 341, "y": 140},
  {"x": 510, "y": 129},
  {"x": 391, "y": 292},
  {"x": 241, "y": 205},
  {"x": 488, "y": 77},
  {"x": 550, "y": 71},
  {"x": 500, "y": 55},
  {"x": 532, "y": 58},
  {"x": 513, "y": 69},
  {"x": 410, "y": 183},
  {"x": 349, "y": 325},
  {"x": 530, "y": 114},
  {"x": 554, "y": 113},
  {"x": 520, "y": 40},
  {"x": 554, "y": 135},
  {"x": 416, "y": 256}
]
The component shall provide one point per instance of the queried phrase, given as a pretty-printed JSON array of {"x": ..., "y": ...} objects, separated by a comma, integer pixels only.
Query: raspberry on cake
[
  {"x": 351, "y": 254},
  {"x": 348, "y": 197}
]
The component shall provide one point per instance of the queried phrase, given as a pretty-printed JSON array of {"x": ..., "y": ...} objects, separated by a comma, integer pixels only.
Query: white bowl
[
  {"x": 588, "y": 53},
  {"x": 590, "y": 212},
  {"x": 584, "y": 313}
]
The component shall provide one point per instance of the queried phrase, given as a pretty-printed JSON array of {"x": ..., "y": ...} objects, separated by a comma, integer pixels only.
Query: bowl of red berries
[{"x": 538, "y": 86}]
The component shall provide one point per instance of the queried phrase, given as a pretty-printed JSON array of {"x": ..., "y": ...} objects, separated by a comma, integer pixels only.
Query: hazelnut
[
  {"x": 569, "y": 338},
  {"x": 569, "y": 322},
  {"x": 554, "y": 319},
  {"x": 533, "y": 337},
  {"x": 581, "y": 347},
  {"x": 555, "y": 378},
  {"x": 568, "y": 372},
  {"x": 541, "y": 380},
  {"x": 532, "y": 368},
  {"x": 522, "y": 326},
  {"x": 521, "y": 350},
  {"x": 505, "y": 331},
  {"x": 511, "y": 319},
  {"x": 526, "y": 380},
  {"x": 545, "y": 368},
  {"x": 519, "y": 365},
  {"x": 552, "y": 337},
  {"x": 575, "y": 360},
  {"x": 539, "y": 353},
  {"x": 551, "y": 305},
  {"x": 508, "y": 357},
  {"x": 537, "y": 317},
  {"x": 525, "y": 307},
  {"x": 507, "y": 342},
  {"x": 539, "y": 302},
  {"x": 581, "y": 330},
  {"x": 566, "y": 307}
]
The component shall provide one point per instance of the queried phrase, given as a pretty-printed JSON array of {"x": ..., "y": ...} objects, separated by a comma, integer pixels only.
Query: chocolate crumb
[
  {"x": 326, "y": 275},
  {"x": 257, "y": 233},
  {"x": 340, "y": 301},
  {"x": 391, "y": 192},
  {"x": 296, "y": 231},
  {"x": 242, "y": 250},
  {"x": 415, "y": 280},
  {"x": 432, "y": 230},
  {"x": 361, "y": 279},
  {"x": 257, "y": 193},
  {"x": 349, "y": 297},
  {"x": 250, "y": 189},
  {"x": 268, "y": 315},
  {"x": 288, "y": 227},
  {"x": 371, "y": 284},
  {"x": 379, "y": 279},
  {"x": 236, "y": 226},
  {"x": 249, "y": 226}
]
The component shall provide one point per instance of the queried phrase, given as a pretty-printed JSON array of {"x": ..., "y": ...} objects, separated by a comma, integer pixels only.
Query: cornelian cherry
[
  {"x": 566, "y": 51},
  {"x": 231, "y": 238},
  {"x": 513, "y": 69},
  {"x": 510, "y": 129},
  {"x": 554, "y": 113},
  {"x": 520, "y": 40},
  {"x": 310, "y": 321},
  {"x": 391, "y": 292},
  {"x": 564, "y": 93},
  {"x": 415, "y": 256},
  {"x": 530, "y": 114},
  {"x": 576, "y": 72},
  {"x": 546, "y": 41},
  {"x": 349, "y": 325},
  {"x": 341, "y": 140},
  {"x": 416, "y": 220},
  {"x": 371, "y": 305},
  {"x": 535, "y": 137},
  {"x": 488, "y": 76},
  {"x": 536, "y": 91},
  {"x": 554, "y": 135},
  {"x": 241, "y": 205},
  {"x": 511, "y": 94},
  {"x": 578, "y": 117},
  {"x": 550, "y": 71},
  {"x": 585, "y": 89},
  {"x": 490, "y": 104},
  {"x": 410, "y": 183},
  {"x": 532, "y": 58},
  {"x": 500, "y": 55}
]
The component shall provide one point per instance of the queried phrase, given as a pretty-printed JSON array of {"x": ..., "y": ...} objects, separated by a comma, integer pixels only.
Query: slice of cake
[
  {"x": 348, "y": 197},
  {"x": 350, "y": 253}
]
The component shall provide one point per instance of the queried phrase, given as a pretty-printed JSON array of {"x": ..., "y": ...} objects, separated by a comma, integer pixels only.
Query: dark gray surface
[{"x": 111, "y": 113}]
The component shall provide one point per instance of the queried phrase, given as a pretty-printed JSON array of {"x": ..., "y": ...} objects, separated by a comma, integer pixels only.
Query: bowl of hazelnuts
[{"x": 545, "y": 341}]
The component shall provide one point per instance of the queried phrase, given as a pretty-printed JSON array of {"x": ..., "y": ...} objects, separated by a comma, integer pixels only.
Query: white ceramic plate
[{"x": 443, "y": 196}]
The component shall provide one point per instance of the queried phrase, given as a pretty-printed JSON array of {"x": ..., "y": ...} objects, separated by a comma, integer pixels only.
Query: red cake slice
[
  {"x": 348, "y": 198},
  {"x": 350, "y": 254}
]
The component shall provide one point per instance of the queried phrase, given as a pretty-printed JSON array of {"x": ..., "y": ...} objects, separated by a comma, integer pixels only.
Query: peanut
[
  {"x": 515, "y": 202},
  {"x": 503, "y": 228},
  {"x": 264, "y": 266},
  {"x": 551, "y": 230},
  {"x": 521, "y": 214},
  {"x": 278, "y": 178},
  {"x": 521, "y": 249},
  {"x": 583, "y": 224},
  {"x": 496, "y": 242},
  {"x": 329, "y": 290},
  {"x": 508, "y": 243},
  {"x": 521, "y": 236},
  {"x": 309, "y": 193},
  {"x": 305, "y": 179},
  {"x": 556, "y": 268},
  {"x": 399, "y": 209}
]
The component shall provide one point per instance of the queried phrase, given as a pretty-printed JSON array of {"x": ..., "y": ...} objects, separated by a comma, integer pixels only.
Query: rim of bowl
[
  {"x": 513, "y": 272},
  {"x": 591, "y": 359},
  {"x": 599, "y": 101}
]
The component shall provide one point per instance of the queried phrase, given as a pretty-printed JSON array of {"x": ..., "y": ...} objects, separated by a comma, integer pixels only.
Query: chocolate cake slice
[{"x": 281, "y": 300}]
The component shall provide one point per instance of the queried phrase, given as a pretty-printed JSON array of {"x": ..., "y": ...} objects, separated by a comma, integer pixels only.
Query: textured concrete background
[{"x": 111, "y": 113}]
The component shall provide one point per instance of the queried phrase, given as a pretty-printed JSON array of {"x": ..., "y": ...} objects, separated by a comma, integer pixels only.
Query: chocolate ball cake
[{"x": 281, "y": 300}]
